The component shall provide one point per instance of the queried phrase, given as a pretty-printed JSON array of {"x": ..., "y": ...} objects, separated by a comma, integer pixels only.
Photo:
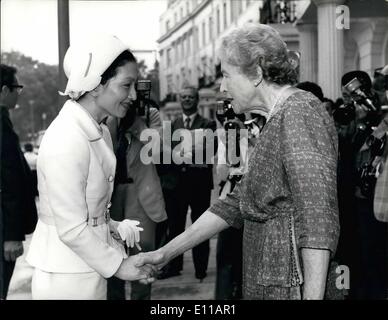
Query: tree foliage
[{"x": 39, "y": 96}]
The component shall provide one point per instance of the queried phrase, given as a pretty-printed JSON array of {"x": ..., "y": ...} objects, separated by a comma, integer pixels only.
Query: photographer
[
  {"x": 380, "y": 201},
  {"x": 137, "y": 194},
  {"x": 229, "y": 243},
  {"x": 359, "y": 123}
]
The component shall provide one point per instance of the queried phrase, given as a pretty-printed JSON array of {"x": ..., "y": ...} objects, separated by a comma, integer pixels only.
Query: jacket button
[{"x": 110, "y": 179}]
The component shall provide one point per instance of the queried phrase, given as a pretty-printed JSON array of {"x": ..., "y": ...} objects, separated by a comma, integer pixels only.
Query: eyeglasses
[
  {"x": 19, "y": 87},
  {"x": 187, "y": 97}
]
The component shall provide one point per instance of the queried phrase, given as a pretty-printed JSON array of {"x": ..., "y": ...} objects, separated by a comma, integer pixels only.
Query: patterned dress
[{"x": 288, "y": 198}]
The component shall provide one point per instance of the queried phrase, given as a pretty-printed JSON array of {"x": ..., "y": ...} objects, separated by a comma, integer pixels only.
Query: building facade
[
  {"x": 337, "y": 36},
  {"x": 191, "y": 31}
]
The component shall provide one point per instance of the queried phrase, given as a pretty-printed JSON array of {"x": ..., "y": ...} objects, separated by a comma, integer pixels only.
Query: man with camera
[
  {"x": 362, "y": 131},
  {"x": 137, "y": 194}
]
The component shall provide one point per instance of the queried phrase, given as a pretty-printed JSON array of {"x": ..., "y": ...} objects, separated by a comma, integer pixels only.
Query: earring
[{"x": 256, "y": 84}]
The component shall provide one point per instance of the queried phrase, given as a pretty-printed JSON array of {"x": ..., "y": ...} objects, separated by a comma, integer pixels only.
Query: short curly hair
[{"x": 254, "y": 45}]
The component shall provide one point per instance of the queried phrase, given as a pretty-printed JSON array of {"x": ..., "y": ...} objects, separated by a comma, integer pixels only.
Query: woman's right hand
[{"x": 138, "y": 267}]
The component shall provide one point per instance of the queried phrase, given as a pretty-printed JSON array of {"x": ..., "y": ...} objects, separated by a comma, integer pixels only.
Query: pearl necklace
[{"x": 280, "y": 95}]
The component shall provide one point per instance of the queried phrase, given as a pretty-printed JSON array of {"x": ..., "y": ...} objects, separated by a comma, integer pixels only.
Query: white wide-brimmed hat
[{"x": 85, "y": 61}]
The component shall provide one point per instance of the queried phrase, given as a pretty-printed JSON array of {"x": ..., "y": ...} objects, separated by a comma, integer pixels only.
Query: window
[
  {"x": 210, "y": 28},
  {"x": 176, "y": 50},
  {"x": 231, "y": 11},
  {"x": 203, "y": 60},
  {"x": 218, "y": 21},
  {"x": 167, "y": 25},
  {"x": 239, "y": 7},
  {"x": 183, "y": 73},
  {"x": 181, "y": 18},
  {"x": 196, "y": 38},
  {"x": 248, "y": 3},
  {"x": 177, "y": 81},
  {"x": 189, "y": 37},
  {"x": 203, "y": 33},
  {"x": 225, "y": 16},
  {"x": 187, "y": 8},
  {"x": 175, "y": 18},
  {"x": 169, "y": 84},
  {"x": 183, "y": 48},
  {"x": 168, "y": 57}
]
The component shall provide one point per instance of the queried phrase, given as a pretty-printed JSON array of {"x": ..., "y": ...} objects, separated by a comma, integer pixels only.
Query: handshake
[{"x": 143, "y": 267}]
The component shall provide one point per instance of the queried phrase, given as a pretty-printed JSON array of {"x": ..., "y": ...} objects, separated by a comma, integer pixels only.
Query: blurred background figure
[
  {"x": 137, "y": 194},
  {"x": 31, "y": 158},
  {"x": 316, "y": 90},
  {"x": 191, "y": 186},
  {"x": 361, "y": 130},
  {"x": 18, "y": 210}
]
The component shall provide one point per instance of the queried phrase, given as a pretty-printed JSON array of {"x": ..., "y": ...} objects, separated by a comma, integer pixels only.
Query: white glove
[{"x": 130, "y": 232}]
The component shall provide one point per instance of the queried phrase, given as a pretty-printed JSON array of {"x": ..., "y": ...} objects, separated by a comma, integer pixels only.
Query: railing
[{"x": 278, "y": 11}]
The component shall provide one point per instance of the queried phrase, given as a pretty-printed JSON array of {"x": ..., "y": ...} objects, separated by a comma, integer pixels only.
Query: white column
[
  {"x": 308, "y": 47},
  {"x": 330, "y": 48}
]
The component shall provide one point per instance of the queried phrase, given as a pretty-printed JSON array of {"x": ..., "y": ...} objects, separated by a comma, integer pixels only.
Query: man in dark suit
[
  {"x": 18, "y": 210},
  {"x": 193, "y": 185}
]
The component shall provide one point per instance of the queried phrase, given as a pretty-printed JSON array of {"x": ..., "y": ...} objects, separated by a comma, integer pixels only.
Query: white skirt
[{"x": 68, "y": 286}]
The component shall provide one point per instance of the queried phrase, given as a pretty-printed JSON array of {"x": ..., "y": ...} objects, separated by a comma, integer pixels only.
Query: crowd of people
[{"x": 307, "y": 195}]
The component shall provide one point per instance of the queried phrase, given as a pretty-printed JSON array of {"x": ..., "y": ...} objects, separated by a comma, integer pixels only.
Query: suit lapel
[
  {"x": 179, "y": 123},
  {"x": 134, "y": 149},
  {"x": 197, "y": 123},
  {"x": 98, "y": 136},
  {"x": 104, "y": 151}
]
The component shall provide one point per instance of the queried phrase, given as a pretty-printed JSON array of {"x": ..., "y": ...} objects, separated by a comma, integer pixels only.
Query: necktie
[{"x": 187, "y": 123}]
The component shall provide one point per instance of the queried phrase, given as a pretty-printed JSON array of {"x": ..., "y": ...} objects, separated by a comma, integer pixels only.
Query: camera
[
  {"x": 367, "y": 172},
  {"x": 358, "y": 86},
  {"x": 232, "y": 124},
  {"x": 143, "y": 92}
]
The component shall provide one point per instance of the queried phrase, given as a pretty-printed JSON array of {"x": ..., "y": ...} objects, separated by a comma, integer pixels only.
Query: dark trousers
[
  {"x": 116, "y": 287},
  {"x": 139, "y": 291},
  {"x": 370, "y": 278},
  {"x": 194, "y": 195},
  {"x": 229, "y": 265},
  {"x": 8, "y": 268}
]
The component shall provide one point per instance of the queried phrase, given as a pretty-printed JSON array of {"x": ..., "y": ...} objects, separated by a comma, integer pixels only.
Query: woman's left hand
[{"x": 126, "y": 230}]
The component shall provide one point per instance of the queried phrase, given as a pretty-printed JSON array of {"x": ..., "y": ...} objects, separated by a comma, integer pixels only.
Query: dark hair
[
  {"x": 28, "y": 147},
  {"x": 192, "y": 88},
  {"x": 360, "y": 75},
  {"x": 311, "y": 87},
  {"x": 7, "y": 76},
  {"x": 123, "y": 58},
  {"x": 328, "y": 100}
]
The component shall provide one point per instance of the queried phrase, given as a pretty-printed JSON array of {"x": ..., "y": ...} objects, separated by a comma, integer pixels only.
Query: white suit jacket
[{"x": 76, "y": 167}]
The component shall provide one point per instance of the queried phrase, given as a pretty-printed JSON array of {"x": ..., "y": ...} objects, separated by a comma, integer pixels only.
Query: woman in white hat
[{"x": 73, "y": 248}]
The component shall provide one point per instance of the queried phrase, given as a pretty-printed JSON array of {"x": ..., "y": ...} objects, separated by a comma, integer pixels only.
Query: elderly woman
[
  {"x": 73, "y": 249},
  {"x": 287, "y": 201}
]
